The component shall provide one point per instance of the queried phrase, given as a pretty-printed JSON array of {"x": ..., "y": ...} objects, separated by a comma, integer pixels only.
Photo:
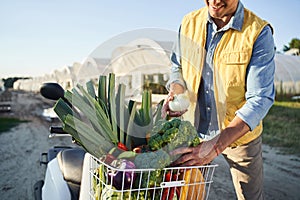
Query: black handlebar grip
[{"x": 57, "y": 129}]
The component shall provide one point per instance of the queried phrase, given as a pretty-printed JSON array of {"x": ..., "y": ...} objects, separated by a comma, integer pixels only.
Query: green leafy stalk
[
  {"x": 112, "y": 105},
  {"x": 62, "y": 109},
  {"x": 109, "y": 119},
  {"x": 91, "y": 89},
  {"x": 158, "y": 112},
  {"x": 130, "y": 128},
  {"x": 73, "y": 132},
  {"x": 146, "y": 107},
  {"x": 94, "y": 142},
  {"x": 138, "y": 118},
  {"x": 93, "y": 112},
  {"x": 120, "y": 109},
  {"x": 100, "y": 121},
  {"x": 102, "y": 92},
  {"x": 68, "y": 95},
  {"x": 131, "y": 104}
]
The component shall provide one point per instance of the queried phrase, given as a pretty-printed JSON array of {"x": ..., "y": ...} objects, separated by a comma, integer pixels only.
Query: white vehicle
[{"x": 64, "y": 173}]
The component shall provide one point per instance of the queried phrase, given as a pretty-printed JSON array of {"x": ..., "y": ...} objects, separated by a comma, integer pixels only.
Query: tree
[
  {"x": 9, "y": 82},
  {"x": 294, "y": 43}
]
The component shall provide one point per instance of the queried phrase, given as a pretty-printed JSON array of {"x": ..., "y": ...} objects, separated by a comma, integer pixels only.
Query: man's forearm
[
  {"x": 236, "y": 129},
  {"x": 176, "y": 88}
]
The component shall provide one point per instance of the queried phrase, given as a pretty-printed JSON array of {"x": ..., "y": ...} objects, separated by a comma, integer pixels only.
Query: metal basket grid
[{"x": 186, "y": 183}]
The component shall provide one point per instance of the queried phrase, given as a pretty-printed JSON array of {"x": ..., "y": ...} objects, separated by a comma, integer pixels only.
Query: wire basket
[{"x": 176, "y": 183}]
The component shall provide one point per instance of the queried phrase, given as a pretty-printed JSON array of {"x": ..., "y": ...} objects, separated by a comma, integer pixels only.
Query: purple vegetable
[{"x": 117, "y": 176}]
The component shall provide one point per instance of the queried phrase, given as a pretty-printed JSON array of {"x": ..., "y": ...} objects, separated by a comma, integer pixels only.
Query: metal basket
[{"x": 176, "y": 183}]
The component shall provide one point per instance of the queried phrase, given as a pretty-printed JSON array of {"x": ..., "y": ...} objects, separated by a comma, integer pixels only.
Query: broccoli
[
  {"x": 157, "y": 160},
  {"x": 169, "y": 135},
  {"x": 155, "y": 142},
  {"x": 165, "y": 137},
  {"x": 173, "y": 134}
]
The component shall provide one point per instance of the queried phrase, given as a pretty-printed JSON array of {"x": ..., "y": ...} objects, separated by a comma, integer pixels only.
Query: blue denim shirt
[{"x": 260, "y": 92}]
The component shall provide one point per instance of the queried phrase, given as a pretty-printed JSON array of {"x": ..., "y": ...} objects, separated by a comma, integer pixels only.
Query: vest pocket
[
  {"x": 233, "y": 68},
  {"x": 235, "y": 58}
]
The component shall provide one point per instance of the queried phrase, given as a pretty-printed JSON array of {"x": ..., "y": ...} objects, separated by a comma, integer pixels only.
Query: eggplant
[{"x": 119, "y": 176}]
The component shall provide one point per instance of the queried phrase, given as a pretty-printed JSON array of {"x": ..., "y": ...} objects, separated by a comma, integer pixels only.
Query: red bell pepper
[
  {"x": 168, "y": 193},
  {"x": 122, "y": 146}
]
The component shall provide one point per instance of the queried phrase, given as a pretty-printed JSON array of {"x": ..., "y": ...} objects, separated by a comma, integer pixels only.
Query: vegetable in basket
[
  {"x": 173, "y": 134},
  {"x": 180, "y": 102},
  {"x": 152, "y": 160},
  {"x": 108, "y": 121},
  {"x": 170, "y": 193},
  {"x": 120, "y": 177},
  {"x": 165, "y": 137}
]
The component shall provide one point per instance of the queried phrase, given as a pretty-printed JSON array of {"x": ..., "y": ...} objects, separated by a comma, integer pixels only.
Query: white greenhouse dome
[{"x": 287, "y": 74}]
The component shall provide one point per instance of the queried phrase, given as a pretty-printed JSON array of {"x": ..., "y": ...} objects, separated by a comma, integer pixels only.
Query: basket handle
[{"x": 172, "y": 184}]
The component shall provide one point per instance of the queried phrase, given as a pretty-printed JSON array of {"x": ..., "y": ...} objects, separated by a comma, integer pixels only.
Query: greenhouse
[
  {"x": 144, "y": 61},
  {"x": 287, "y": 74}
]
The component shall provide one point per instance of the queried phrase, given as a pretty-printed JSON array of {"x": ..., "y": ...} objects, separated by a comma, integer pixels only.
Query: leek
[
  {"x": 102, "y": 97},
  {"x": 120, "y": 111},
  {"x": 112, "y": 105},
  {"x": 90, "y": 88}
]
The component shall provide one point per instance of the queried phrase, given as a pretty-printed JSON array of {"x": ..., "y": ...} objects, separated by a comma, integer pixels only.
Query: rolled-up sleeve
[
  {"x": 176, "y": 75},
  {"x": 176, "y": 71},
  {"x": 260, "y": 92}
]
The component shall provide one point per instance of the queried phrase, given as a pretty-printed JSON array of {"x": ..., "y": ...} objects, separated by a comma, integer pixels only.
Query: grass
[
  {"x": 7, "y": 123},
  {"x": 282, "y": 126}
]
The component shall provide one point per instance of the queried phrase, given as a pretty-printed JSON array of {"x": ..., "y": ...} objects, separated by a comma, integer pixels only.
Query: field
[
  {"x": 7, "y": 123},
  {"x": 282, "y": 127}
]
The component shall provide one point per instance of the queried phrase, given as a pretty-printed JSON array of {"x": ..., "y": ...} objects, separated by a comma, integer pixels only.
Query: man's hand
[
  {"x": 166, "y": 109},
  {"x": 175, "y": 88},
  {"x": 202, "y": 154}
]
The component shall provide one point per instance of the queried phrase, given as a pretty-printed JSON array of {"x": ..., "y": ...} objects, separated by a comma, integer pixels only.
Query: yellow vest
[{"x": 231, "y": 58}]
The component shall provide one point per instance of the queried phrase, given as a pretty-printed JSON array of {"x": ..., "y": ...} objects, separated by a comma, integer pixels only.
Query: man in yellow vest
[{"x": 224, "y": 62}]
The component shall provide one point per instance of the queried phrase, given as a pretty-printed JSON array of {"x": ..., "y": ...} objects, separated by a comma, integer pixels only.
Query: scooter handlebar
[{"x": 57, "y": 131}]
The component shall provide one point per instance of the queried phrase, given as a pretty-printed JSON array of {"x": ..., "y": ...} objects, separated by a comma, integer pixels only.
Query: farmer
[{"x": 225, "y": 62}]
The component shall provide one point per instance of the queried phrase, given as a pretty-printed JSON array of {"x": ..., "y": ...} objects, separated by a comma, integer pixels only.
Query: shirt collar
[{"x": 236, "y": 21}]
